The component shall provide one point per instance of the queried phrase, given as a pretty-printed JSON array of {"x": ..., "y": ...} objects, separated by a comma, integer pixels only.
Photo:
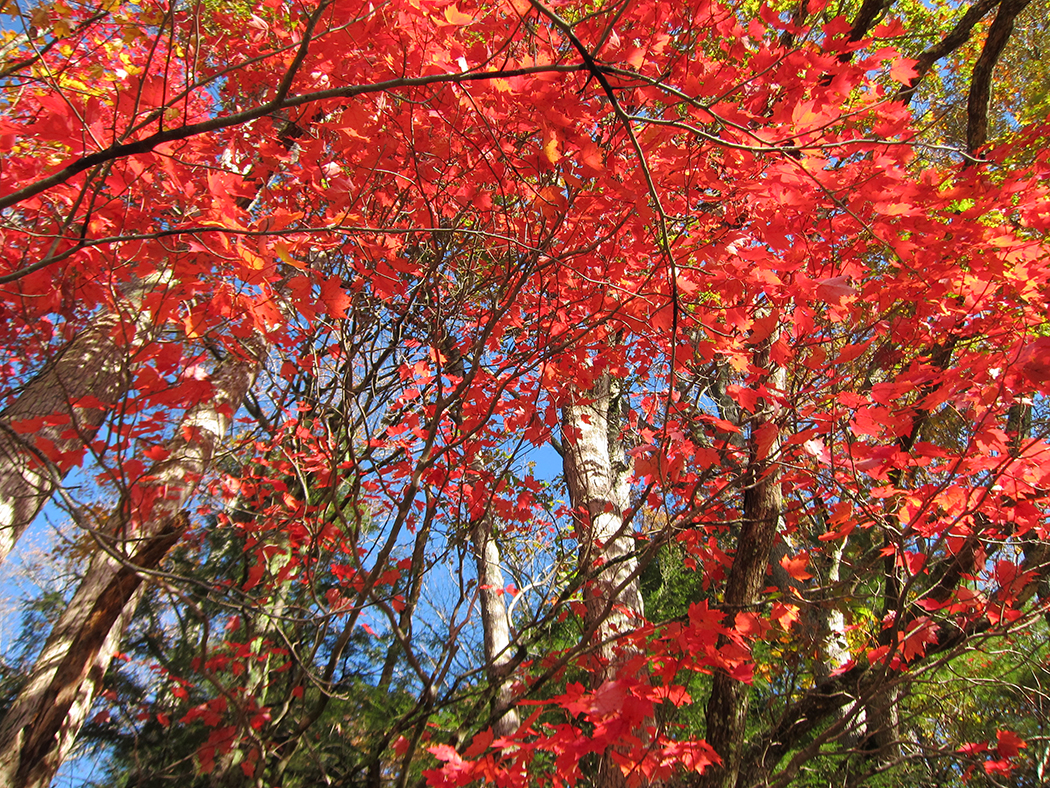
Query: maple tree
[{"x": 301, "y": 300}]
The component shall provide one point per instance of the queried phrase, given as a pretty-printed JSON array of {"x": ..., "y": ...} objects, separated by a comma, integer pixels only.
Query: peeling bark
[
  {"x": 598, "y": 478},
  {"x": 41, "y": 726}
]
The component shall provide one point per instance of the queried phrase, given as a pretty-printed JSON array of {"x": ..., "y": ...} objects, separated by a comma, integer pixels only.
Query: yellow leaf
[
  {"x": 282, "y": 252},
  {"x": 252, "y": 260},
  {"x": 550, "y": 148},
  {"x": 456, "y": 17}
]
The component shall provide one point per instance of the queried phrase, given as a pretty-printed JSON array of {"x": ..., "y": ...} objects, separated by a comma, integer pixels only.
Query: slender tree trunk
[
  {"x": 495, "y": 621},
  {"x": 412, "y": 593},
  {"x": 41, "y": 726},
  {"x": 727, "y": 706},
  {"x": 598, "y": 478},
  {"x": 833, "y": 649},
  {"x": 828, "y": 622},
  {"x": 979, "y": 94}
]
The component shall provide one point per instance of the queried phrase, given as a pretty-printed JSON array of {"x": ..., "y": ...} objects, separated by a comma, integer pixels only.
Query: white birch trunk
[{"x": 91, "y": 365}]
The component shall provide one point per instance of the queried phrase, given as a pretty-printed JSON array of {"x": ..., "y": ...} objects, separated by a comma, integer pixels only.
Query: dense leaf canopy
[{"x": 540, "y": 393}]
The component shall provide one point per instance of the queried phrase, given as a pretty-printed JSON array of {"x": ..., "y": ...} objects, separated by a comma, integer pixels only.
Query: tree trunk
[
  {"x": 979, "y": 94},
  {"x": 62, "y": 408},
  {"x": 91, "y": 369},
  {"x": 495, "y": 621},
  {"x": 598, "y": 478},
  {"x": 41, "y": 726},
  {"x": 727, "y": 706}
]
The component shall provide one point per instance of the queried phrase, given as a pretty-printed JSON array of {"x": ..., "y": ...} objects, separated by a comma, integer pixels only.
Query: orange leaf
[
  {"x": 785, "y": 615},
  {"x": 796, "y": 567},
  {"x": 903, "y": 71},
  {"x": 550, "y": 146}
]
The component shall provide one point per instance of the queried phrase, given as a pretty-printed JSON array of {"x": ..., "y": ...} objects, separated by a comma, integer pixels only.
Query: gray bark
[{"x": 74, "y": 393}]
